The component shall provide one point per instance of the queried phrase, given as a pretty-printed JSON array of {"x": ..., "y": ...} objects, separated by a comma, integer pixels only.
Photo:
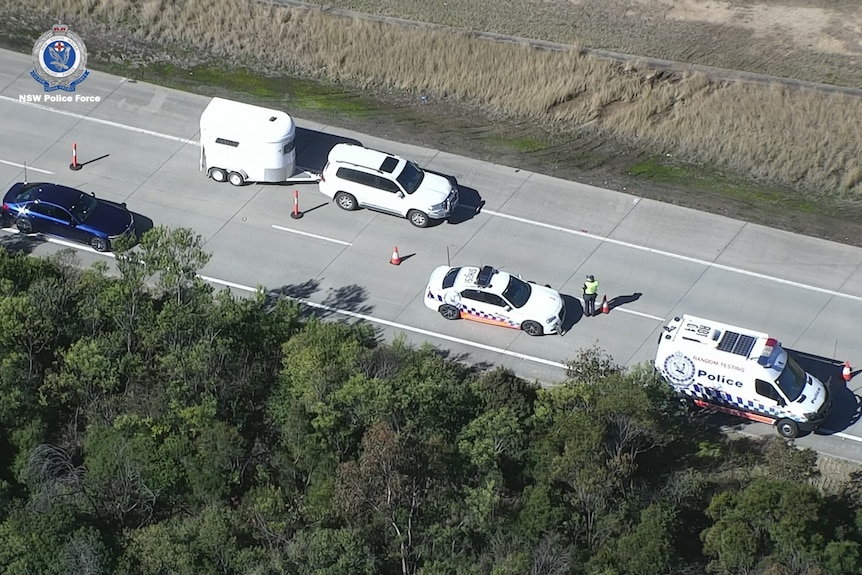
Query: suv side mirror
[
  {"x": 400, "y": 194},
  {"x": 781, "y": 402}
]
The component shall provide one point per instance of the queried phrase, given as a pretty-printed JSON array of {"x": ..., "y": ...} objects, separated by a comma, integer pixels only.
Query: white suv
[{"x": 360, "y": 177}]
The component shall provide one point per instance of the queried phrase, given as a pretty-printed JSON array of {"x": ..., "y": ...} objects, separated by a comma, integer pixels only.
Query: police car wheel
[
  {"x": 236, "y": 179},
  {"x": 449, "y": 311},
  {"x": 345, "y": 201},
  {"x": 417, "y": 218},
  {"x": 787, "y": 428},
  {"x": 218, "y": 175},
  {"x": 24, "y": 225},
  {"x": 532, "y": 328}
]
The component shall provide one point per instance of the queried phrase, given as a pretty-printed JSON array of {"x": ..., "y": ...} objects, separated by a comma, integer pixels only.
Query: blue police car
[{"x": 68, "y": 213}]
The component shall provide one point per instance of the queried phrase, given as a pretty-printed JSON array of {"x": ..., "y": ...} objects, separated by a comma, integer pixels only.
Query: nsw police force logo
[{"x": 59, "y": 59}]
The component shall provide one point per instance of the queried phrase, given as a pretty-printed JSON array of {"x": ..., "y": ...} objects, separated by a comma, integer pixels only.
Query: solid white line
[
  {"x": 706, "y": 263},
  {"x": 29, "y": 168},
  {"x": 100, "y": 121},
  {"x": 315, "y": 236},
  {"x": 401, "y": 326},
  {"x": 490, "y": 212},
  {"x": 841, "y": 435},
  {"x": 639, "y": 313}
]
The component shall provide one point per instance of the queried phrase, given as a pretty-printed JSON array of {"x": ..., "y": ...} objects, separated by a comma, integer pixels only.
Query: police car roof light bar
[{"x": 485, "y": 275}]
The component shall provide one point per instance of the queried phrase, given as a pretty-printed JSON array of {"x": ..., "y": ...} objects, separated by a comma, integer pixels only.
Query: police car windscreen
[
  {"x": 792, "y": 380},
  {"x": 517, "y": 292}
]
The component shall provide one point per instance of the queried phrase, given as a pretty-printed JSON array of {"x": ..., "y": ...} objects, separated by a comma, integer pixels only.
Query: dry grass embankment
[{"x": 797, "y": 137}]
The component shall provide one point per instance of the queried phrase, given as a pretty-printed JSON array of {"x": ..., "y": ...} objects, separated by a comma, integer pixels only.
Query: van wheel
[
  {"x": 345, "y": 201},
  {"x": 217, "y": 174},
  {"x": 417, "y": 218},
  {"x": 787, "y": 428},
  {"x": 449, "y": 311},
  {"x": 236, "y": 179},
  {"x": 532, "y": 328}
]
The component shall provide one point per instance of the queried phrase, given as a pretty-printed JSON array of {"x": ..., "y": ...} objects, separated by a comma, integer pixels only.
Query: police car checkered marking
[
  {"x": 473, "y": 311},
  {"x": 723, "y": 399}
]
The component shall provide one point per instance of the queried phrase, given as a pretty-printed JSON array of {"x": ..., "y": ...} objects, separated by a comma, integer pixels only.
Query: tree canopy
[{"x": 152, "y": 425}]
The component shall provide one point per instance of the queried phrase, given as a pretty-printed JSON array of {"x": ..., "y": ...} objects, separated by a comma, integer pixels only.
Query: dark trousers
[{"x": 589, "y": 304}]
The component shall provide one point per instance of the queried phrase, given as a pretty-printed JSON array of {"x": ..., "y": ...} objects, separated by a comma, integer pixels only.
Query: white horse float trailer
[{"x": 242, "y": 143}]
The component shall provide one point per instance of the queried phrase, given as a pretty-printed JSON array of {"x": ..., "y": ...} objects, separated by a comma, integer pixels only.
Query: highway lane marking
[
  {"x": 393, "y": 324},
  {"x": 29, "y": 168},
  {"x": 100, "y": 121},
  {"x": 597, "y": 237},
  {"x": 396, "y": 325},
  {"x": 841, "y": 435},
  {"x": 332, "y": 309},
  {"x": 672, "y": 255},
  {"x": 639, "y": 313},
  {"x": 324, "y": 238}
]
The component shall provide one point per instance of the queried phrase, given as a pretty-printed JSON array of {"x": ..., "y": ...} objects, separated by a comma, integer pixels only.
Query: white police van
[{"x": 740, "y": 372}]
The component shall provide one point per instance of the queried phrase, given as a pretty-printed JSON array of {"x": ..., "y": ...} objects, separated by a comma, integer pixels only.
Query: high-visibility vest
[{"x": 591, "y": 288}]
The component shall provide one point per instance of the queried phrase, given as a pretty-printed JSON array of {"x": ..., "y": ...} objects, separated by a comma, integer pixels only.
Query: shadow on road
[
  {"x": 846, "y": 403},
  {"x": 574, "y": 311},
  {"x": 20, "y": 243},
  {"x": 348, "y": 298},
  {"x": 344, "y": 299},
  {"x": 623, "y": 300},
  {"x": 313, "y": 148},
  {"x": 470, "y": 203},
  {"x": 143, "y": 224}
]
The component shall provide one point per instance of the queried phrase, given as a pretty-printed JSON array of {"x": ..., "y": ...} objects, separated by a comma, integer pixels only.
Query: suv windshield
[
  {"x": 792, "y": 380},
  {"x": 83, "y": 207},
  {"x": 517, "y": 292},
  {"x": 411, "y": 177}
]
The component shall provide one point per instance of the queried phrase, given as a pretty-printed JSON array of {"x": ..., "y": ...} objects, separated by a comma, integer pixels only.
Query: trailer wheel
[
  {"x": 236, "y": 179},
  {"x": 217, "y": 174},
  {"x": 787, "y": 428},
  {"x": 345, "y": 201}
]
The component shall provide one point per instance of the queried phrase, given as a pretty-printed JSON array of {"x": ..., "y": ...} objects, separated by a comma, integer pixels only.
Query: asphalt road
[{"x": 138, "y": 145}]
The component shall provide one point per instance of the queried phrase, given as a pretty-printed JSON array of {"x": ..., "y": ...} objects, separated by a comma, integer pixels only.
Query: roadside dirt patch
[{"x": 809, "y": 26}]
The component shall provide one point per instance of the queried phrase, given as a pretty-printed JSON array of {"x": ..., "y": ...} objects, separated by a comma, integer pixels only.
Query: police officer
[{"x": 591, "y": 288}]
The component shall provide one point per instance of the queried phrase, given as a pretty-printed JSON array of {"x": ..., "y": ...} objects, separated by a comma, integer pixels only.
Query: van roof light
[{"x": 766, "y": 355}]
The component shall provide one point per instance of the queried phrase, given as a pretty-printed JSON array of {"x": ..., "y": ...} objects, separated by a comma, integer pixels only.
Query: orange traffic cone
[
  {"x": 845, "y": 373},
  {"x": 396, "y": 259},
  {"x": 605, "y": 307}
]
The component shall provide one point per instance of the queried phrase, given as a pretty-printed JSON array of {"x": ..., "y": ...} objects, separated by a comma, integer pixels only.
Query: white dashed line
[
  {"x": 29, "y": 168},
  {"x": 315, "y": 236}
]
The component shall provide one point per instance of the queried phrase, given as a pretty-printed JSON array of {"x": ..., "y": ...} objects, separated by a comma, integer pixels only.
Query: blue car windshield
[
  {"x": 517, "y": 292},
  {"x": 26, "y": 193},
  {"x": 83, "y": 207}
]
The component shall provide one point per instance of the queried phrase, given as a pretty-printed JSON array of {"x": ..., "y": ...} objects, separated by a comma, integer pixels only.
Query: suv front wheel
[
  {"x": 345, "y": 201},
  {"x": 417, "y": 218}
]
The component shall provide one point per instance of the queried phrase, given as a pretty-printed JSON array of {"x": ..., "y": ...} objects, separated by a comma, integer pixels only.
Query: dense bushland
[{"x": 151, "y": 425}]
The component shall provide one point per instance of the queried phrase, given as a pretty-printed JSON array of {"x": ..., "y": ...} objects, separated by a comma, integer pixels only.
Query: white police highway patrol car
[{"x": 491, "y": 296}]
